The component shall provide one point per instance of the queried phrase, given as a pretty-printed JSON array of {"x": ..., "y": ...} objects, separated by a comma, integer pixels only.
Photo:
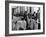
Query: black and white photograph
[{"x": 24, "y": 18}]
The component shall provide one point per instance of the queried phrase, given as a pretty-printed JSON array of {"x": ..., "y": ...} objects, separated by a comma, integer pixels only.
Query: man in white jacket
[{"x": 21, "y": 24}]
